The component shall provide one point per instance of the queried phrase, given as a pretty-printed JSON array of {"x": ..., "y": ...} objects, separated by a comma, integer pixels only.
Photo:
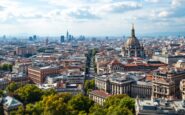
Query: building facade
[
  {"x": 166, "y": 81},
  {"x": 141, "y": 89},
  {"x": 99, "y": 96},
  {"x": 23, "y": 51},
  {"x": 182, "y": 88},
  {"x": 38, "y": 74},
  {"x": 122, "y": 84},
  {"x": 168, "y": 59}
]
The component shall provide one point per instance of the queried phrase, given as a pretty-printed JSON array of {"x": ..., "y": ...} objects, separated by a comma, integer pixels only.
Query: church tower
[{"x": 132, "y": 47}]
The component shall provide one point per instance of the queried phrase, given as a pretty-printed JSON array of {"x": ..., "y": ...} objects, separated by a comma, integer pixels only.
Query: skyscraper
[
  {"x": 34, "y": 37},
  {"x": 62, "y": 39},
  {"x": 67, "y": 35},
  {"x": 46, "y": 42}
]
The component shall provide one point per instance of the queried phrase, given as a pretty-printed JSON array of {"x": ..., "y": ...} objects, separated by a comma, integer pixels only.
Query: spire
[
  {"x": 132, "y": 25},
  {"x": 133, "y": 31},
  {"x": 67, "y": 35}
]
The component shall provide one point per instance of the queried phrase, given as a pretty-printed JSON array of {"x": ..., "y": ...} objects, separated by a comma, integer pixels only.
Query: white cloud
[
  {"x": 153, "y": 1},
  {"x": 177, "y": 3},
  {"x": 103, "y": 16},
  {"x": 119, "y": 7},
  {"x": 164, "y": 14},
  {"x": 83, "y": 13}
]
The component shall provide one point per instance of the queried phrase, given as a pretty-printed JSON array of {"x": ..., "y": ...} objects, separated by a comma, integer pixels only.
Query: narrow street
[{"x": 89, "y": 73}]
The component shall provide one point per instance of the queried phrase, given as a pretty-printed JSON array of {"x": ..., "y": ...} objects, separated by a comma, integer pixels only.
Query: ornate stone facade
[
  {"x": 182, "y": 88},
  {"x": 166, "y": 81},
  {"x": 118, "y": 83}
]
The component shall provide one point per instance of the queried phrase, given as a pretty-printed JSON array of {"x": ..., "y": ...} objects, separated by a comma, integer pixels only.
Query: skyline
[{"x": 91, "y": 17}]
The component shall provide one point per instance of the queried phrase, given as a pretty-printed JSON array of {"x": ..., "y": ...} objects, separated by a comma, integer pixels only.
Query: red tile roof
[
  {"x": 149, "y": 77},
  {"x": 115, "y": 62},
  {"x": 100, "y": 93}
]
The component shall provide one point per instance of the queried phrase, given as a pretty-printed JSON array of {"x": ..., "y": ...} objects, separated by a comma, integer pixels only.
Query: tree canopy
[
  {"x": 80, "y": 103},
  {"x": 29, "y": 93},
  {"x": 89, "y": 85},
  {"x": 12, "y": 87},
  {"x": 115, "y": 105},
  {"x": 120, "y": 102},
  {"x": 54, "y": 105},
  {"x": 6, "y": 67},
  {"x": 117, "y": 110},
  {"x": 48, "y": 102},
  {"x": 57, "y": 104}
]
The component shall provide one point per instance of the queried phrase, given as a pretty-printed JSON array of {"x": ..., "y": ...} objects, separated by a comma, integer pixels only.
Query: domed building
[{"x": 132, "y": 47}]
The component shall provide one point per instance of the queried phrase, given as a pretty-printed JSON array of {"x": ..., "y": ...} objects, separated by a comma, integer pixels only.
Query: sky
[{"x": 91, "y": 17}]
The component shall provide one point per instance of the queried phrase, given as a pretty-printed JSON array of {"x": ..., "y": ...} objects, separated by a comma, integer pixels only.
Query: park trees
[
  {"x": 48, "y": 102},
  {"x": 29, "y": 93},
  {"x": 80, "y": 103}
]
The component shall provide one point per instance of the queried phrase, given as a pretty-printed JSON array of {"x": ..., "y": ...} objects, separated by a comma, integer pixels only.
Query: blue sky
[{"x": 91, "y": 17}]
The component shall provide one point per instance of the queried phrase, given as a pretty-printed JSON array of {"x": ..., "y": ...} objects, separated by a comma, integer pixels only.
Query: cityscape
[{"x": 92, "y": 57}]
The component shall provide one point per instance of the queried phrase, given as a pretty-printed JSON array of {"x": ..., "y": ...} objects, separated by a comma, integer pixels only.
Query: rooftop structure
[
  {"x": 159, "y": 107},
  {"x": 9, "y": 104}
]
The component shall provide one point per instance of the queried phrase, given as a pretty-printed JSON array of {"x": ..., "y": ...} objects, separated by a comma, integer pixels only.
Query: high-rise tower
[
  {"x": 62, "y": 39},
  {"x": 67, "y": 35}
]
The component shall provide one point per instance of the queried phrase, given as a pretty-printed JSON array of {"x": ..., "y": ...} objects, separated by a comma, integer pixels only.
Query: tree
[
  {"x": 1, "y": 110},
  {"x": 121, "y": 101},
  {"x": 29, "y": 93},
  {"x": 55, "y": 105},
  {"x": 30, "y": 109},
  {"x": 6, "y": 67},
  {"x": 114, "y": 100},
  {"x": 66, "y": 97},
  {"x": 128, "y": 103},
  {"x": 80, "y": 103},
  {"x": 34, "y": 109},
  {"x": 49, "y": 92},
  {"x": 82, "y": 113},
  {"x": 116, "y": 110},
  {"x": 20, "y": 111},
  {"x": 47, "y": 102},
  {"x": 1, "y": 93},
  {"x": 94, "y": 51},
  {"x": 10, "y": 67},
  {"x": 97, "y": 110},
  {"x": 12, "y": 87},
  {"x": 89, "y": 85}
]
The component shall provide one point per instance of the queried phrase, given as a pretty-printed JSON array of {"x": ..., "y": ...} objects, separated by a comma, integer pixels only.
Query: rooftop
[
  {"x": 160, "y": 106},
  {"x": 10, "y": 102},
  {"x": 100, "y": 93}
]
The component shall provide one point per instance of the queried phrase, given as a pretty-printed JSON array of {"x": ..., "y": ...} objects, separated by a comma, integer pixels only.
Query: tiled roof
[
  {"x": 100, "y": 93},
  {"x": 115, "y": 62},
  {"x": 103, "y": 64},
  {"x": 149, "y": 77}
]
